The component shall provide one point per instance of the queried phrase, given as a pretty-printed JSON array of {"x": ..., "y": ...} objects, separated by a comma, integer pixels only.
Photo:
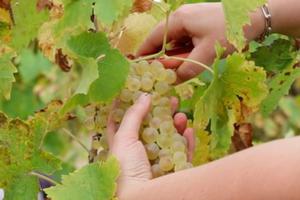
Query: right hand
[{"x": 204, "y": 24}]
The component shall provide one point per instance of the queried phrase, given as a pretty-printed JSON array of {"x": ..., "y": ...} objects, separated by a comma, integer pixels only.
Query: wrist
[{"x": 257, "y": 25}]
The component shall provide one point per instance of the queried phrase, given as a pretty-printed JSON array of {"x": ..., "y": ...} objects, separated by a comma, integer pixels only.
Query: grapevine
[{"x": 68, "y": 67}]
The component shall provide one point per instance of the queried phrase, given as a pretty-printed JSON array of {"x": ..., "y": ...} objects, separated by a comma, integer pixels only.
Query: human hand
[
  {"x": 125, "y": 144},
  {"x": 204, "y": 25}
]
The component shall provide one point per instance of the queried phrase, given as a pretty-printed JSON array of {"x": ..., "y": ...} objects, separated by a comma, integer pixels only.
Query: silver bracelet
[{"x": 268, "y": 20}]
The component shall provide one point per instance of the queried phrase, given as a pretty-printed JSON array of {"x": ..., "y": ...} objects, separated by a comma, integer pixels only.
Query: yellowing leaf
[
  {"x": 7, "y": 70},
  {"x": 237, "y": 16},
  {"x": 236, "y": 82}
]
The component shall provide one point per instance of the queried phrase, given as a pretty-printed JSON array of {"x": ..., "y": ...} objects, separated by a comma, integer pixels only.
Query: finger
[
  {"x": 173, "y": 64},
  {"x": 189, "y": 135},
  {"x": 203, "y": 53},
  {"x": 180, "y": 122},
  {"x": 130, "y": 125},
  {"x": 155, "y": 39},
  {"x": 174, "y": 104}
]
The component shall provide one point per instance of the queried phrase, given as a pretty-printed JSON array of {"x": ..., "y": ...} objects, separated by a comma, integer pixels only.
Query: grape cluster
[{"x": 165, "y": 147}]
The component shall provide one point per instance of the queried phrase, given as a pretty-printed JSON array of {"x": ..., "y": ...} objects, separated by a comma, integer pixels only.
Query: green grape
[
  {"x": 166, "y": 164},
  {"x": 147, "y": 84},
  {"x": 155, "y": 122},
  {"x": 170, "y": 76},
  {"x": 163, "y": 140},
  {"x": 164, "y": 101},
  {"x": 156, "y": 171},
  {"x": 141, "y": 68},
  {"x": 126, "y": 95},
  {"x": 155, "y": 98},
  {"x": 178, "y": 146},
  {"x": 152, "y": 151},
  {"x": 167, "y": 127},
  {"x": 149, "y": 135},
  {"x": 136, "y": 95},
  {"x": 133, "y": 84},
  {"x": 179, "y": 157},
  {"x": 162, "y": 88},
  {"x": 160, "y": 111},
  {"x": 118, "y": 114},
  {"x": 164, "y": 152}
]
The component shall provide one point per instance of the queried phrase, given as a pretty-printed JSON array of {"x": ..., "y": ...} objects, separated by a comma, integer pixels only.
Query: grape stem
[
  {"x": 76, "y": 139},
  {"x": 189, "y": 60},
  {"x": 46, "y": 178}
]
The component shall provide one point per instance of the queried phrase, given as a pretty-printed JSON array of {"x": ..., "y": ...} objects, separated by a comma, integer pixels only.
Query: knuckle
[{"x": 182, "y": 12}]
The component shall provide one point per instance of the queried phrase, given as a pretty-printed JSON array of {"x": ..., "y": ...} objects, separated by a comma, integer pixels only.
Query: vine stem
[
  {"x": 46, "y": 178},
  {"x": 189, "y": 60},
  {"x": 76, "y": 139}
]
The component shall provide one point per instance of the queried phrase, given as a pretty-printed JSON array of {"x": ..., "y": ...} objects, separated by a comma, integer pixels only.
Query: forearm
[
  {"x": 285, "y": 16},
  {"x": 270, "y": 171}
]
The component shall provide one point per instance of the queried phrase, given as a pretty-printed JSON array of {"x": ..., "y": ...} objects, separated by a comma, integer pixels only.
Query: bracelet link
[{"x": 268, "y": 20}]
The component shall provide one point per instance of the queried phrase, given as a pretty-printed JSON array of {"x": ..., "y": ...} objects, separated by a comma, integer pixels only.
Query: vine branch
[
  {"x": 76, "y": 139},
  {"x": 46, "y": 178},
  {"x": 189, "y": 60}
]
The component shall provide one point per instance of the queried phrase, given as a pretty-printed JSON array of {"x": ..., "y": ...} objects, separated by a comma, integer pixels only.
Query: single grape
[
  {"x": 163, "y": 140},
  {"x": 179, "y": 157},
  {"x": 118, "y": 114},
  {"x": 155, "y": 122},
  {"x": 147, "y": 84},
  {"x": 167, "y": 127},
  {"x": 178, "y": 146},
  {"x": 126, "y": 95},
  {"x": 152, "y": 151},
  {"x": 166, "y": 164},
  {"x": 162, "y": 88},
  {"x": 133, "y": 84},
  {"x": 156, "y": 171},
  {"x": 170, "y": 76},
  {"x": 164, "y": 152},
  {"x": 149, "y": 135}
]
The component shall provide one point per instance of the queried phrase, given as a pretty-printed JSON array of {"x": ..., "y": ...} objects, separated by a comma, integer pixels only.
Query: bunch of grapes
[{"x": 165, "y": 147}]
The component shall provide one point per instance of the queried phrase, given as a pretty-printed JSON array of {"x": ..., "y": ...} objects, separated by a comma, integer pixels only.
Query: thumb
[{"x": 130, "y": 125}]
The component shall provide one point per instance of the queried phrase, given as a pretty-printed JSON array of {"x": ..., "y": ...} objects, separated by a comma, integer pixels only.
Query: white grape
[
  {"x": 147, "y": 84},
  {"x": 152, "y": 151},
  {"x": 166, "y": 164},
  {"x": 165, "y": 152},
  {"x": 156, "y": 171},
  {"x": 133, "y": 84},
  {"x": 149, "y": 135},
  {"x": 167, "y": 127},
  {"x": 179, "y": 157},
  {"x": 155, "y": 122},
  {"x": 170, "y": 76},
  {"x": 126, "y": 95},
  {"x": 178, "y": 146},
  {"x": 161, "y": 88}
]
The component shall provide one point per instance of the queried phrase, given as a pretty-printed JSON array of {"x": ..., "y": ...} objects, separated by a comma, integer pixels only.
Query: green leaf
[
  {"x": 236, "y": 82},
  {"x": 76, "y": 18},
  {"x": 7, "y": 70},
  {"x": 89, "y": 44},
  {"x": 32, "y": 65},
  {"x": 27, "y": 20},
  {"x": 109, "y": 11},
  {"x": 113, "y": 72},
  {"x": 94, "y": 182},
  {"x": 279, "y": 86},
  {"x": 20, "y": 154},
  {"x": 76, "y": 100},
  {"x": 237, "y": 16},
  {"x": 13, "y": 108},
  {"x": 88, "y": 76},
  {"x": 275, "y": 57}
]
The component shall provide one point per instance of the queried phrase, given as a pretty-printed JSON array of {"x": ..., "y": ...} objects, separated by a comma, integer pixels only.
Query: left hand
[{"x": 129, "y": 150}]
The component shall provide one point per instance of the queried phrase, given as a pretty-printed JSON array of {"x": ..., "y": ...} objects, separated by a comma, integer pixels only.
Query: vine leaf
[
  {"x": 235, "y": 80},
  {"x": 20, "y": 154},
  {"x": 86, "y": 49},
  {"x": 7, "y": 70},
  {"x": 279, "y": 86},
  {"x": 76, "y": 18},
  {"x": 237, "y": 16},
  {"x": 113, "y": 72},
  {"x": 136, "y": 31},
  {"x": 27, "y": 21},
  {"x": 94, "y": 181},
  {"x": 280, "y": 55},
  {"x": 109, "y": 11},
  {"x": 32, "y": 65}
]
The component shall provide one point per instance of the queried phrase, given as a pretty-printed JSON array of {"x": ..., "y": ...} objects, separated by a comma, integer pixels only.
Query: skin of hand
[
  {"x": 125, "y": 144},
  {"x": 204, "y": 25}
]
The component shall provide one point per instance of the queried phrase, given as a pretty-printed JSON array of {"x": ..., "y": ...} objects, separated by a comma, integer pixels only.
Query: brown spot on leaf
[
  {"x": 62, "y": 61},
  {"x": 287, "y": 73},
  {"x": 44, "y": 4},
  {"x": 242, "y": 137}
]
